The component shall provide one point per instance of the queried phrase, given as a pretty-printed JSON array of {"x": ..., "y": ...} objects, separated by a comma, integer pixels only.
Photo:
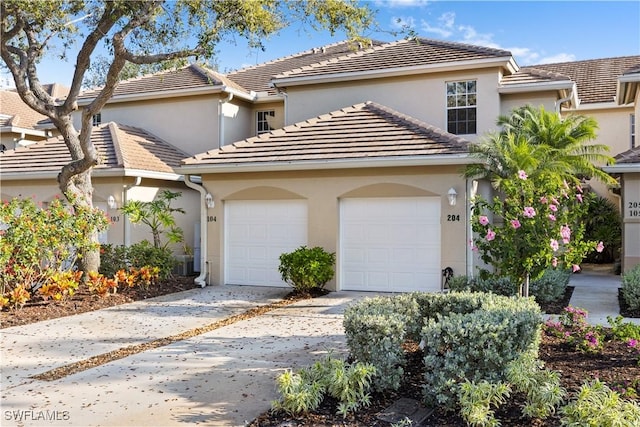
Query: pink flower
[
  {"x": 483, "y": 220},
  {"x": 515, "y": 223},
  {"x": 474, "y": 248},
  {"x": 529, "y": 212},
  {"x": 579, "y": 188},
  {"x": 575, "y": 267},
  {"x": 554, "y": 262},
  {"x": 554, "y": 245},
  {"x": 600, "y": 247},
  {"x": 554, "y": 200},
  {"x": 632, "y": 342},
  {"x": 579, "y": 197},
  {"x": 522, "y": 174},
  {"x": 490, "y": 235},
  {"x": 565, "y": 233},
  {"x": 544, "y": 200},
  {"x": 554, "y": 208},
  {"x": 552, "y": 217}
]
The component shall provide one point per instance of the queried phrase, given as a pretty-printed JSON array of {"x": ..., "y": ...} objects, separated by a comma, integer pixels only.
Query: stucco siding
[{"x": 323, "y": 189}]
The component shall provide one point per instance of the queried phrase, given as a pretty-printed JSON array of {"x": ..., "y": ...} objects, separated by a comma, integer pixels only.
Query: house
[
  {"x": 136, "y": 165},
  {"x": 19, "y": 124},
  {"x": 357, "y": 149},
  {"x": 335, "y": 176}
]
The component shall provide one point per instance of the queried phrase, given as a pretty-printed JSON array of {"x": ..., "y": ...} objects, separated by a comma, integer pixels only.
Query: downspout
[
  {"x": 472, "y": 190},
  {"x": 221, "y": 103},
  {"x": 200, "y": 280},
  {"x": 562, "y": 101},
  {"x": 125, "y": 199}
]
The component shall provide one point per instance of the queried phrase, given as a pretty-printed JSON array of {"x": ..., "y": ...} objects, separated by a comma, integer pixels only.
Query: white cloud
[
  {"x": 403, "y": 22},
  {"x": 444, "y": 26}
]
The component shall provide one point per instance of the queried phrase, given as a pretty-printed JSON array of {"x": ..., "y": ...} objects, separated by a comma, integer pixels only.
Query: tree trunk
[
  {"x": 524, "y": 290},
  {"x": 75, "y": 183}
]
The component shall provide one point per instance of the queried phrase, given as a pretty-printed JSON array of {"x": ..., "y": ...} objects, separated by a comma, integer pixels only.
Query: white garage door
[
  {"x": 256, "y": 233},
  {"x": 390, "y": 244}
]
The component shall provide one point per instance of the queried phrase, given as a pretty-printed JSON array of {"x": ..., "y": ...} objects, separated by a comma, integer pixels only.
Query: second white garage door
[
  {"x": 256, "y": 233},
  {"x": 390, "y": 244}
]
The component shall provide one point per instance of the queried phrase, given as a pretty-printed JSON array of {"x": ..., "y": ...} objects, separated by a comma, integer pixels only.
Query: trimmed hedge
[{"x": 465, "y": 336}]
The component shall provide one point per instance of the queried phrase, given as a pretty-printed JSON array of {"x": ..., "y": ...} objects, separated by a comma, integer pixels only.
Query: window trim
[
  {"x": 264, "y": 122},
  {"x": 467, "y": 107}
]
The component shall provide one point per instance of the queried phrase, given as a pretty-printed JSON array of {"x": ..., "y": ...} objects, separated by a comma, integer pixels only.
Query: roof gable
[
  {"x": 411, "y": 53},
  {"x": 119, "y": 147},
  {"x": 258, "y": 78},
  {"x": 360, "y": 132},
  {"x": 187, "y": 78},
  {"x": 629, "y": 156},
  {"x": 21, "y": 114},
  {"x": 596, "y": 79}
]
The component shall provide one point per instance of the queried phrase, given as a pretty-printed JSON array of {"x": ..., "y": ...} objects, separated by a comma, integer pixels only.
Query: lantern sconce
[
  {"x": 452, "y": 195},
  {"x": 111, "y": 202},
  {"x": 208, "y": 199}
]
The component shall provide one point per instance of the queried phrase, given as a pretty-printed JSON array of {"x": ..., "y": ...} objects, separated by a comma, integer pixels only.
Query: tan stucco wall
[
  {"x": 422, "y": 97},
  {"x": 509, "y": 102},
  {"x": 323, "y": 191},
  {"x": 189, "y": 123},
  {"x": 631, "y": 220}
]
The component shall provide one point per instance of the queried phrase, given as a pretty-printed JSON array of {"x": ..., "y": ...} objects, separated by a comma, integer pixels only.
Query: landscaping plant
[
  {"x": 631, "y": 288},
  {"x": 306, "y": 269}
]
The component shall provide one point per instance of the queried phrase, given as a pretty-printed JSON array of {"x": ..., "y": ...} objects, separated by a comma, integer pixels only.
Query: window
[
  {"x": 461, "y": 107},
  {"x": 633, "y": 130},
  {"x": 262, "y": 124},
  {"x": 97, "y": 119}
]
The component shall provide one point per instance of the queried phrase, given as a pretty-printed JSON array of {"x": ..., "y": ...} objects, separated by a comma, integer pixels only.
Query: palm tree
[{"x": 567, "y": 139}]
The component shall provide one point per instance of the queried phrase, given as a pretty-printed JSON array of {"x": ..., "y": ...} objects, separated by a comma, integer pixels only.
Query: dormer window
[
  {"x": 262, "y": 123},
  {"x": 97, "y": 119},
  {"x": 461, "y": 107}
]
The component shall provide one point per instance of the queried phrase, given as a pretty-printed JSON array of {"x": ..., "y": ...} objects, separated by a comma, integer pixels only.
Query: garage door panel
[
  {"x": 256, "y": 234},
  {"x": 390, "y": 244}
]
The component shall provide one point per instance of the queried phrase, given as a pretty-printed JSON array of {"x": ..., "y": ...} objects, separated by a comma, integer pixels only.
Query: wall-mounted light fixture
[
  {"x": 452, "y": 195},
  {"x": 208, "y": 199},
  {"x": 111, "y": 202}
]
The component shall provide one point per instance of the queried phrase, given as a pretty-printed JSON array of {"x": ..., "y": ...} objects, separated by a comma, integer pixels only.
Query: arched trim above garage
[
  {"x": 263, "y": 192},
  {"x": 388, "y": 189}
]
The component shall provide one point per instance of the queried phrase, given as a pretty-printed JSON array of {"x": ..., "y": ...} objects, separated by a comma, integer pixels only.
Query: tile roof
[
  {"x": 399, "y": 54},
  {"x": 629, "y": 156},
  {"x": 119, "y": 146},
  {"x": 258, "y": 78},
  {"x": 362, "y": 131},
  {"x": 190, "y": 77},
  {"x": 528, "y": 75},
  {"x": 21, "y": 114},
  {"x": 596, "y": 79}
]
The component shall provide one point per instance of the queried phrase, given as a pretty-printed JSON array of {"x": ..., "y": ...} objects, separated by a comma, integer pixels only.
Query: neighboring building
[
  {"x": 19, "y": 124},
  {"x": 357, "y": 149},
  {"x": 136, "y": 165}
]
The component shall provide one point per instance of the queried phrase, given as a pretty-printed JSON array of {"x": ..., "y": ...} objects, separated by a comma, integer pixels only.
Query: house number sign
[
  {"x": 634, "y": 209},
  {"x": 451, "y": 218}
]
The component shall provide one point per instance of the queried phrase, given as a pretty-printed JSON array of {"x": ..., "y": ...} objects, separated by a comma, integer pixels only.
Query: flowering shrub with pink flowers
[
  {"x": 572, "y": 326},
  {"x": 533, "y": 226}
]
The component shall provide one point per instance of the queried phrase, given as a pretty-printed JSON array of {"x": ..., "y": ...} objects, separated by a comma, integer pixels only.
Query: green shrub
[
  {"x": 476, "y": 346},
  {"x": 551, "y": 286},
  {"x": 631, "y": 287},
  {"x": 598, "y": 406},
  {"x": 112, "y": 259},
  {"x": 497, "y": 285},
  {"x": 603, "y": 223},
  {"x": 306, "y": 269},
  {"x": 144, "y": 254},
  {"x": 477, "y": 399},
  {"x": 623, "y": 331},
  {"x": 304, "y": 391},
  {"x": 375, "y": 333}
]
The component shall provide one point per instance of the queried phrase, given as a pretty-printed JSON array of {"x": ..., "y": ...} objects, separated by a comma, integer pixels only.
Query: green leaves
[{"x": 305, "y": 269}]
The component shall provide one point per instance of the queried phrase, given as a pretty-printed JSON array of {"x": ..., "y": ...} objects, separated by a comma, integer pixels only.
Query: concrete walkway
[
  {"x": 221, "y": 378},
  {"x": 597, "y": 292}
]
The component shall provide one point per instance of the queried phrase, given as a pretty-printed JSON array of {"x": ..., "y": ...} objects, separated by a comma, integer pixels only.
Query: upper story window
[
  {"x": 461, "y": 107},
  {"x": 97, "y": 119},
  {"x": 633, "y": 130},
  {"x": 262, "y": 123}
]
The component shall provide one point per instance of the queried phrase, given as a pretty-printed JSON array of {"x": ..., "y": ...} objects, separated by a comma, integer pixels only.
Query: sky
[{"x": 535, "y": 32}]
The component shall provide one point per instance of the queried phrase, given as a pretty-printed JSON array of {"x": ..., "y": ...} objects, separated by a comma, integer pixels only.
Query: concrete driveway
[{"x": 221, "y": 378}]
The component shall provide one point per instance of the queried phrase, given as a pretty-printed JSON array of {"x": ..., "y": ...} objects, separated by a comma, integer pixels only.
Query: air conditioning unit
[{"x": 184, "y": 265}]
